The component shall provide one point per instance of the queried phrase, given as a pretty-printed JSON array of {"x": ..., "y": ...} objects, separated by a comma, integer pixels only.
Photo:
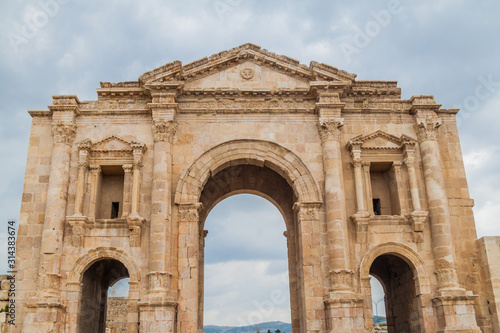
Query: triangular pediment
[
  {"x": 114, "y": 143},
  {"x": 380, "y": 140},
  {"x": 245, "y": 66}
]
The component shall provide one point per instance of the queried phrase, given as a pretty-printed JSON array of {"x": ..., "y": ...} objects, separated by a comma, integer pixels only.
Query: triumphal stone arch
[{"x": 368, "y": 183}]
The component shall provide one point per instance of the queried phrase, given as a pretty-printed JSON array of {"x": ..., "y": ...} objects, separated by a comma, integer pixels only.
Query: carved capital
[
  {"x": 307, "y": 211},
  {"x": 159, "y": 282},
  {"x": 341, "y": 279},
  {"x": 127, "y": 168},
  {"x": 164, "y": 130},
  {"x": 64, "y": 133},
  {"x": 330, "y": 129},
  {"x": 427, "y": 128},
  {"x": 446, "y": 274},
  {"x": 357, "y": 162},
  {"x": 94, "y": 168},
  {"x": 190, "y": 212},
  {"x": 410, "y": 161}
]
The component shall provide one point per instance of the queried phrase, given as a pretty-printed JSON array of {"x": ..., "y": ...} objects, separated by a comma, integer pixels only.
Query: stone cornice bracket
[
  {"x": 330, "y": 129},
  {"x": 426, "y": 128}
]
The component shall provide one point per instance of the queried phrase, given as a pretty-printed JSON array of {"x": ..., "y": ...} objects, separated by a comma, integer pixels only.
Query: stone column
[
  {"x": 127, "y": 182},
  {"x": 158, "y": 311},
  {"x": 341, "y": 293},
  {"x": 417, "y": 216},
  {"x": 188, "y": 265},
  {"x": 368, "y": 187},
  {"x": 55, "y": 217},
  {"x": 78, "y": 221},
  {"x": 95, "y": 185},
  {"x": 44, "y": 312},
  {"x": 362, "y": 216},
  {"x": 454, "y": 306},
  {"x": 134, "y": 219},
  {"x": 309, "y": 261}
]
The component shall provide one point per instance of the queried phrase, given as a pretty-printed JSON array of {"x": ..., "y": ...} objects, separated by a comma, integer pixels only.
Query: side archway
[
  {"x": 98, "y": 260},
  {"x": 405, "y": 279}
]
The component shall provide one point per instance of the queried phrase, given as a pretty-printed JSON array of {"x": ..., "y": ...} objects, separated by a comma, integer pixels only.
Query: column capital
[
  {"x": 330, "y": 128},
  {"x": 95, "y": 168},
  {"x": 63, "y": 132},
  {"x": 164, "y": 130},
  {"x": 427, "y": 128},
  {"x": 307, "y": 210},
  {"x": 357, "y": 162},
  {"x": 127, "y": 168},
  {"x": 190, "y": 212}
]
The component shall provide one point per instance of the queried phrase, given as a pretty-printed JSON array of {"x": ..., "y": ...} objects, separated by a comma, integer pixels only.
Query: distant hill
[
  {"x": 379, "y": 319},
  {"x": 273, "y": 326}
]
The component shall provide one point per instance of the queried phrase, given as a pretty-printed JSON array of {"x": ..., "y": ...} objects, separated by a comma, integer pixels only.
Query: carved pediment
[
  {"x": 242, "y": 65},
  {"x": 115, "y": 143},
  {"x": 380, "y": 141}
]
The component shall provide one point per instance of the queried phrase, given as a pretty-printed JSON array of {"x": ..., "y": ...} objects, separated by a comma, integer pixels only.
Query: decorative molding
[
  {"x": 331, "y": 129},
  {"x": 307, "y": 211},
  {"x": 427, "y": 128},
  {"x": 341, "y": 279},
  {"x": 164, "y": 130},
  {"x": 64, "y": 133},
  {"x": 159, "y": 282},
  {"x": 190, "y": 212},
  {"x": 247, "y": 73}
]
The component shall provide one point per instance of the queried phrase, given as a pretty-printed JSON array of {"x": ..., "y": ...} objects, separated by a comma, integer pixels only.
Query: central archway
[{"x": 255, "y": 167}]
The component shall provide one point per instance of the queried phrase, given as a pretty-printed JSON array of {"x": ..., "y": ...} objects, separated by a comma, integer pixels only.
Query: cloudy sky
[{"x": 449, "y": 48}]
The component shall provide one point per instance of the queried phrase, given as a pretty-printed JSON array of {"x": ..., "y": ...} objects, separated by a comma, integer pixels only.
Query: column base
[
  {"x": 158, "y": 314},
  {"x": 344, "y": 313},
  {"x": 455, "y": 311}
]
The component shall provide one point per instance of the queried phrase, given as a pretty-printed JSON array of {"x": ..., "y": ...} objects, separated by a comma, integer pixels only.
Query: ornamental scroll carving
[
  {"x": 330, "y": 129},
  {"x": 427, "y": 128},
  {"x": 164, "y": 130},
  {"x": 64, "y": 133},
  {"x": 189, "y": 212}
]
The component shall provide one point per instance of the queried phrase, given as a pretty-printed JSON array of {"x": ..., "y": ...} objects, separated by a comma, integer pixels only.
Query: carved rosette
[
  {"x": 341, "y": 279},
  {"x": 159, "y": 282},
  {"x": 50, "y": 284},
  {"x": 164, "y": 130},
  {"x": 189, "y": 212},
  {"x": 307, "y": 211},
  {"x": 64, "y": 133},
  {"x": 427, "y": 128},
  {"x": 330, "y": 129}
]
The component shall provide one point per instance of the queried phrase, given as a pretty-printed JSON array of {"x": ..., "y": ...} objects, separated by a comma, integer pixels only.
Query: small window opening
[
  {"x": 377, "y": 210},
  {"x": 115, "y": 208}
]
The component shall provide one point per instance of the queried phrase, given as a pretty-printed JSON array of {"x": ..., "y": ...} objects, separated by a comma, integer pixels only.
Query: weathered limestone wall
[
  {"x": 116, "y": 315},
  {"x": 489, "y": 253}
]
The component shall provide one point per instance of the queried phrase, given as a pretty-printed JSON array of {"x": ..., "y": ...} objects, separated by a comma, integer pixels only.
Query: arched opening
[
  {"x": 378, "y": 302},
  {"x": 246, "y": 264},
  {"x": 95, "y": 284},
  {"x": 398, "y": 281},
  {"x": 268, "y": 184},
  {"x": 117, "y": 306}
]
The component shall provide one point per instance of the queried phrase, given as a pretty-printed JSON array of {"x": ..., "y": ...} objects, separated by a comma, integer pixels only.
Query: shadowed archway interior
[
  {"x": 95, "y": 283},
  {"x": 397, "y": 278}
]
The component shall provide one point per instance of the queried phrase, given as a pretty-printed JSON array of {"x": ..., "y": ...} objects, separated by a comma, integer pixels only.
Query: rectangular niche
[
  {"x": 384, "y": 187},
  {"x": 110, "y": 199}
]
